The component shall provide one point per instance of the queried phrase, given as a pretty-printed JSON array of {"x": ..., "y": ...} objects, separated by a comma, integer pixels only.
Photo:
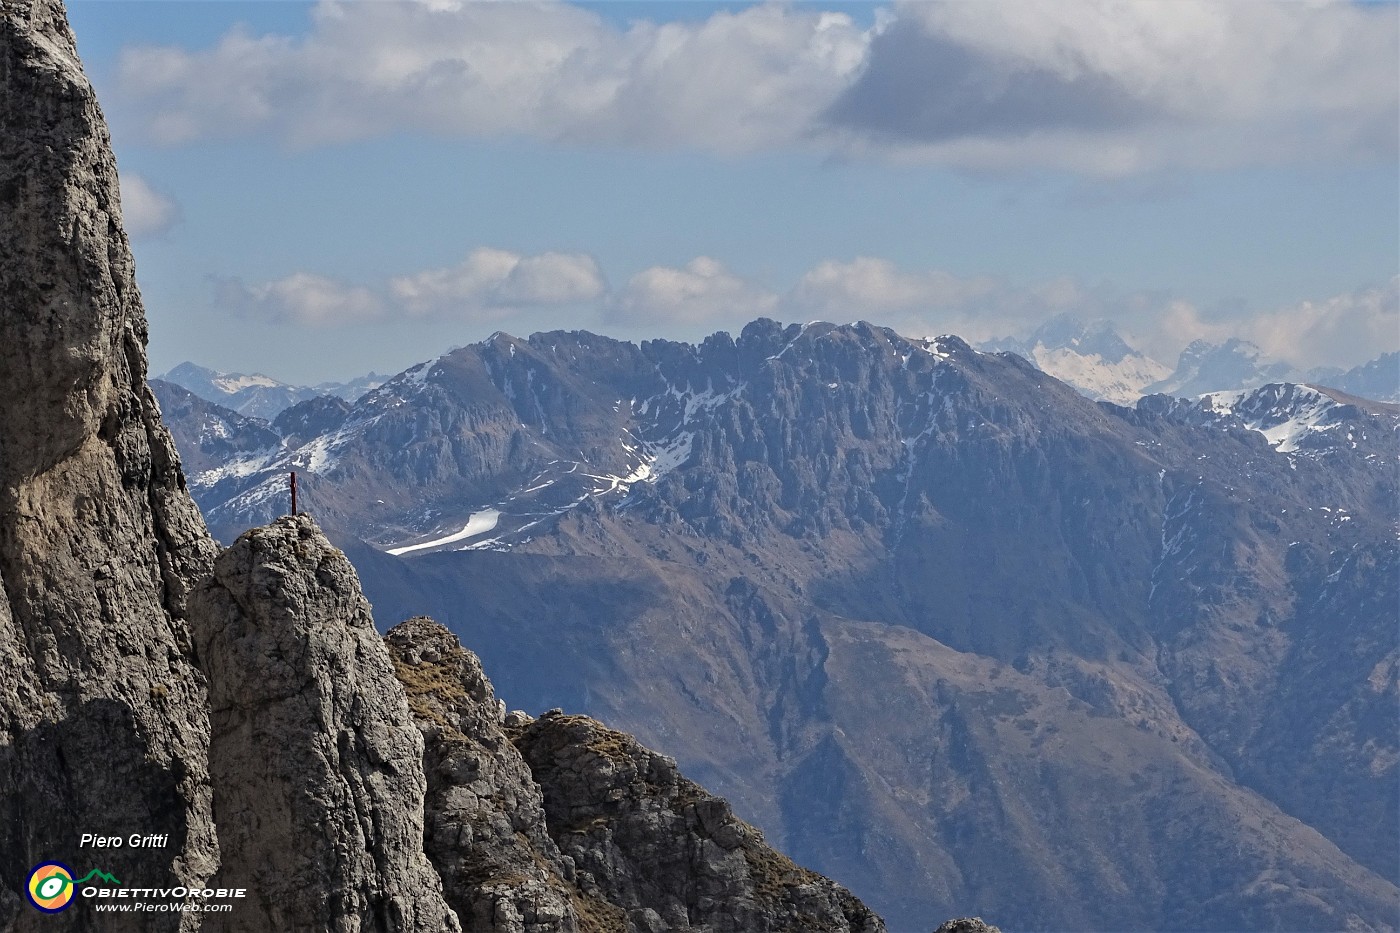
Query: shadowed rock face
[
  {"x": 561, "y": 824},
  {"x": 102, "y": 711},
  {"x": 486, "y": 831},
  {"x": 670, "y": 854}
]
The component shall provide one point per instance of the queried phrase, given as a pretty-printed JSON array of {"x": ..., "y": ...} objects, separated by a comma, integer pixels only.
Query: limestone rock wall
[
  {"x": 102, "y": 710},
  {"x": 560, "y": 824}
]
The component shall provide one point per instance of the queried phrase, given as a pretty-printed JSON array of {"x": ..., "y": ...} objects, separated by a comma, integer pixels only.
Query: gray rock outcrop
[
  {"x": 671, "y": 855},
  {"x": 486, "y": 831},
  {"x": 966, "y": 925},
  {"x": 102, "y": 711},
  {"x": 317, "y": 766},
  {"x": 560, "y": 824}
]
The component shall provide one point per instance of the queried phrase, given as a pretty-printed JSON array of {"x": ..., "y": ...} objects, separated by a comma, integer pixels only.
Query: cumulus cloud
[
  {"x": 301, "y": 298},
  {"x": 498, "y": 282},
  {"x": 547, "y": 70},
  {"x": 1095, "y": 86},
  {"x": 145, "y": 211},
  {"x": 930, "y": 302},
  {"x": 703, "y": 292},
  {"x": 877, "y": 286},
  {"x": 1343, "y": 330},
  {"x": 488, "y": 285},
  {"x": 553, "y": 289}
]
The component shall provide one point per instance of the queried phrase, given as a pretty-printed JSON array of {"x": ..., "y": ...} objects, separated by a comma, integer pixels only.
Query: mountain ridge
[
  {"x": 257, "y": 395},
  {"x": 737, "y": 536}
]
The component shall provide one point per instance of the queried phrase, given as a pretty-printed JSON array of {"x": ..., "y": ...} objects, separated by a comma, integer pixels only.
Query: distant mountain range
[
  {"x": 1208, "y": 367},
  {"x": 1098, "y": 362},
  {"x": 1378, "y": 379},
  {"x": 1092, "y": 357},
  {"x": 942, "y": 626},
  {"x": 257, "y": 395}
]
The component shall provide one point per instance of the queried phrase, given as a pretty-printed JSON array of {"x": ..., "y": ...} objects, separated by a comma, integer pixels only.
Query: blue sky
[{"x": 317, "y": 190}]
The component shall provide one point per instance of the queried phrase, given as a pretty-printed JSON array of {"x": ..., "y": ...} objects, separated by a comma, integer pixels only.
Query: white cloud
[
  {"x": 552, "y": 71},
  {"x": 869, "y": 285},
  {"x": 498, "y": 282},
  {"x": 701, "y": 293},
  {"x": 301, "y": 298},
  {"x": 931, "y": 302},
  {"x": 490, "y": 284},
  {"x": 1343, "y": 330},
  {"x": 1093, "y": 86},
  {"x": 145, "y": 211},
  {"x": 704, "y": 294},
  {"x": 568, "y": 289}
]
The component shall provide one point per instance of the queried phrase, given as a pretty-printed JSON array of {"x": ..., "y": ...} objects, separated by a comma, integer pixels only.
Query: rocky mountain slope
[
  {"x": 208, "y": 435},
  {"x": 940, "y": 625},
  {"x": 1209, "y": 367},
  {"x": 1379, "y": 379},
  {"x": 579, "y": 826},
  {"x": 233, "y": 721}
]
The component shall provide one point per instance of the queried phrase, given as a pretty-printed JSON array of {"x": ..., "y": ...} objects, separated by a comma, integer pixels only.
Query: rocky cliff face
[
  {"x": 316, "y": 765},
  {"x": 561, "y": 824},
  {"x": 486, "y": 828},
  {"x": 239, "y": 713},
  {"x": 103, "y": 719},
  {"x": 672, "y": 856}
]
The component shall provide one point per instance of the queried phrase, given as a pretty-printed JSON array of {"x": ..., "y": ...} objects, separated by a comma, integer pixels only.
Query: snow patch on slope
[
  {"x": 478, "y": 524},
  {"x": 1289, "y": 416}
]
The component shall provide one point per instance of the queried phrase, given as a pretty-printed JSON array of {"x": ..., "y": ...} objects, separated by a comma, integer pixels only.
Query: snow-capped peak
[
  {"x": 1093, "y": 358},
  {"x": 1297, "y": 418}
]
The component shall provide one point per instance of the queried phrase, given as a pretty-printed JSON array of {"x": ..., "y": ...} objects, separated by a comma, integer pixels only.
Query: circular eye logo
[{"x": 50, "y": 887}]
